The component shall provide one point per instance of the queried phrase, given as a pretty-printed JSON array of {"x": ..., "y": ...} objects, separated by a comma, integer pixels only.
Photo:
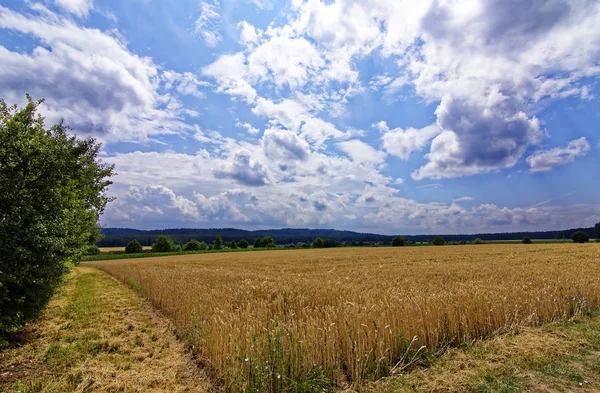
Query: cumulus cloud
[
  {"x": 545, "y": 160},
  {"x": 249, "y": 127},
  {"x": 244, "y": 170},
  {"x": 362, "y": 152},
  {"x": 284, "y": 146},
  {"x": 402, "y": 143},
  {"x": 230, "y": 72},
  {"x": 89, "y": 78},
  {"x": 208, "y": 24}
]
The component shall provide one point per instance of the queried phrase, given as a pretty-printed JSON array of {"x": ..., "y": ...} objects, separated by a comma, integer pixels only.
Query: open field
[
  {"x": 120, "y": 249},
  {"x": 275, "y": 321}
]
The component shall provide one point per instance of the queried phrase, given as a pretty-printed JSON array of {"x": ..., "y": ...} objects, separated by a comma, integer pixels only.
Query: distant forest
[{"x": 119, "y": 237}]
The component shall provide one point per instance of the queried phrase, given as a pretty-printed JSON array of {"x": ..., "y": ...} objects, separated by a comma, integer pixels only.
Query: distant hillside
[{"x": 119, "y": 237}]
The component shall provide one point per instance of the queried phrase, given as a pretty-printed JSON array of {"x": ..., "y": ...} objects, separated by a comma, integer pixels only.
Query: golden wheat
[{"x": 289, "y": 320}]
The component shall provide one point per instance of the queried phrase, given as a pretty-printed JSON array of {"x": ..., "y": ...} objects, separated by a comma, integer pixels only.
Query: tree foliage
[
  {"x": 398, "y": 241},
  {"x": 52, "y": 191},
  {"x": 243, "y": 243},
  {"x": 580, "y": 237},
  {"x": 195, "y": 245},
  {"x": 478, "y": 241},
  {"x": 218, "y": 243},
  {"x": 318, "y": 243},
  {"x": 133, "y": 247},
  {"x": 527, "y": 240},
  {"x": 163, "y": 244},
  {"x": 597, "y": 228},
  {"x": 438, "y": 241}
]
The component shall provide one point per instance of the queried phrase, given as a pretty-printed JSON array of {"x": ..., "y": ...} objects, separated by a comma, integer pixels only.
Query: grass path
[{"x": 97, "y": 335}]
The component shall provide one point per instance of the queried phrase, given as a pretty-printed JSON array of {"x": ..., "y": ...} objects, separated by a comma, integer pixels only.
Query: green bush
[
  {"x": 134, "y": 247},
  {"x": 580, "y": 237},
  {"x": 438, "y": 241},
  {"x": 478, "y": 241},
  {"x": 243, "y": 243},
  {"x": 527, "y": 240},
  {"x": 52, "y": 191},
  {"x": 163, "y": 244},
  {"x": 92, "y": 250},
  {"x": 318, "y": 243},
  {"x": 195, "y": 245},
  {"x": 398, "y": 241}
]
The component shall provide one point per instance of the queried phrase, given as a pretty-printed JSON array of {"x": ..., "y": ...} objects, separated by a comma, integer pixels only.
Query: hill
[{"x": 119, "y": 237}]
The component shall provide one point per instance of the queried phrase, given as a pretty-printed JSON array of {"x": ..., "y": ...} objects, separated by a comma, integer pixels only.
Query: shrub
[
  {"x": 580, "y": 237},
  {"x": 270, "y": 245},
  {"x": 218, "y": 243},
  {"x": 194, "y": 245},
  {"x": 318, "y": 243},
  {"x": 163, "y": 244},
  {"x": 258, "y": 243},
  {"x": 243, "y": 243},
  {"x": 92, "y": 250},
  {"x": 398, "y": 241},
  {"x": 232, "y": 245},
  {"x": 478, "y": 241},
  {"x": 438, "y": 241},
  {"x": 133, "y": 247},
  {"x": 268, "y": 240},
  {"x": 527, "y": 240},
  {"x": 52, "y": 192}
]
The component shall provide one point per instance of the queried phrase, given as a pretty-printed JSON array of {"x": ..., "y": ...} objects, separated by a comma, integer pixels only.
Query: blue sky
[{"x": 389, "y": 116}]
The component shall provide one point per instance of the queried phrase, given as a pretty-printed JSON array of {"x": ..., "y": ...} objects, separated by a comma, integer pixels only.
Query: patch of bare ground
[{"x": 97, "y": 335}]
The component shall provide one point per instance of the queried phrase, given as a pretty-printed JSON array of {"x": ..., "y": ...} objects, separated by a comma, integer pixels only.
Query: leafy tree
[
  {"x": 218, "y": 243},
  {"x": 232, "y": 245},
  {"x": 194, "y": 245},
  {"x": 268, "y": 240},
  {"x": 243, "y": 243},
  {"x": 527, "y": 240},
  {"x": 478, "y": 241},
  {"x": 52, "y": 191},
  {"x": 580, "y": 237},
  {"x": 258, "y": 243},
  {"x": 318, "y": 243},
  {"x": 133, "y": 247},
  {"x": 597, "y": 227},
  {"x": 438, "y": 241},
  {"x": 398, "y": 241},
  {"x": 163, "y": 244}
]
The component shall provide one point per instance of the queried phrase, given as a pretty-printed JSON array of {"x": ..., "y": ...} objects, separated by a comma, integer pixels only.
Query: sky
[{"x": 389, "y": 116}]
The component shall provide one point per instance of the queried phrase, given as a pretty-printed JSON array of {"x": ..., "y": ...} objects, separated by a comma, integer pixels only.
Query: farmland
[{"x": 272, "y": 321}]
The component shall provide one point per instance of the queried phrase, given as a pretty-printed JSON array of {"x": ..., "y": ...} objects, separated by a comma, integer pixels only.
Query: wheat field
[{"x": 313, "y": 320}]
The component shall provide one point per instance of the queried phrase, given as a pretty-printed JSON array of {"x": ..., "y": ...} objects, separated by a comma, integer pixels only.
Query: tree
[
  {"x": 597, "y": 227},
  {"x": 258, "y": 243},
  {"x": 52, "y": 192},
  {"x": 243, "y": 243},
  {"x": 438, "y": 241},
  {"x": 268, "y": 242},
  {"x": 163, "y": 244},
  {"x": 527, "y": 240},
  {"x": 398, "y": 241},
  {"x": 194, "y": 245},
  {"x": 580, "y": 237},
  {"x": 478, "y": 241},
  {"x": 134, "y": 247},
  {"x": 218, "y": 243},
  {"x": 232, "y": 245},
  {"x": 318, "y": 243}
]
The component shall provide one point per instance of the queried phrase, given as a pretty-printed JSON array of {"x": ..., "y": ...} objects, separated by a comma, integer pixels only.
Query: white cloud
[
  {"x": 89, "y": 78},
  {"x": 230, "y": 72},
  {"x": 402, "y": 143},
  {"x": 545, "y": 160},
  {"x": 251, "y": 129},
  {"x": 361, "y": 152},
  {"x": 81, "y": 8},
  {"x": 464, "y": 199},
  {"x": 244, "y": 170},
  {"x": 262, "y": 4},
  {"x": 208, "y": 24}
]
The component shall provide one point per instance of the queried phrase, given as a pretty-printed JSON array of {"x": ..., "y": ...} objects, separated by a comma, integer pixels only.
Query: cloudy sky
[{"x": 391, "y": 116}]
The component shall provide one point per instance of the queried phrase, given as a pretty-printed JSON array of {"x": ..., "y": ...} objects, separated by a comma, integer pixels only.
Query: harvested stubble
[{"x": 312, "y": 319}]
